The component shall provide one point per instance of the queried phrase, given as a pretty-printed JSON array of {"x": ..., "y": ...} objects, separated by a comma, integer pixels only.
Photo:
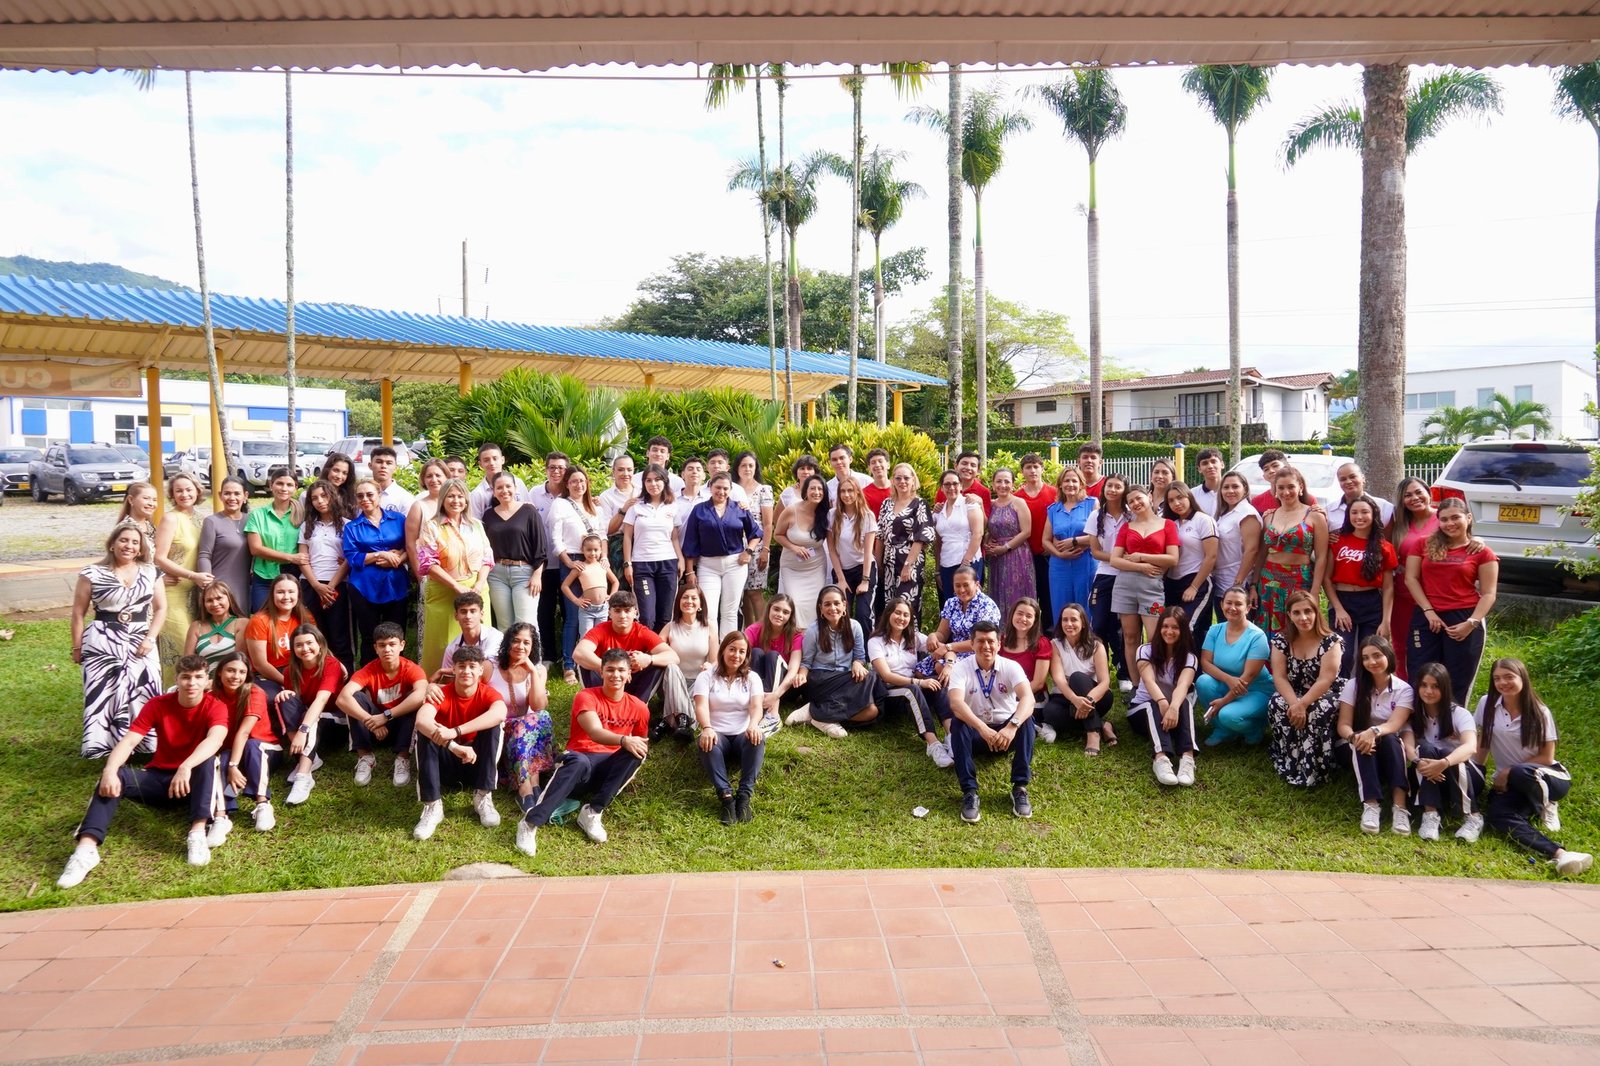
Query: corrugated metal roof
[
  {"x": 542, "y": 34},
  {"x": 1167, "y": 381},
  {"x": 164, "y": 327}
]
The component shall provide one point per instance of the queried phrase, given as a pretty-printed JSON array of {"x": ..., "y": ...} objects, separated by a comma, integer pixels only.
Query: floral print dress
[{"x": 1303, "y": 757}]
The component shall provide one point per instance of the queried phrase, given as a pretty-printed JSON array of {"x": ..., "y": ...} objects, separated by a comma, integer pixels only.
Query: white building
[
  {"x": 1565, "y": 386},
  {"x": 255, "y": 412},
  {"x": 1292, "y": 407}
]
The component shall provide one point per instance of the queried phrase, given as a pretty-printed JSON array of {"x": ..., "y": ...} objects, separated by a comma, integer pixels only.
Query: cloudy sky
[{"x": 571, "y": 188}]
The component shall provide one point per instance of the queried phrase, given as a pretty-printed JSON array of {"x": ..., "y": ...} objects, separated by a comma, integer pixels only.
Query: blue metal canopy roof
[{"x": 344, "y": 340}]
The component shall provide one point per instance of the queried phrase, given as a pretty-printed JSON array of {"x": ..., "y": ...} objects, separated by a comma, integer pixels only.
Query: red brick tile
[
  {"x": 952, "y": 987},
  {"x": 604, "y": 997},
  {"x": 681, "y": 927},
  {"x": 912, "y": 893},
  {"x": 66, "y": 975},
  {"x": 15, "y": 970},
  {"x": 1294, "y": 937},
  {"x": 1256, "y": 973},
  {"x": 113, "y": 943},
  {"x": 519, "y": 1002},
  {"x": 719, "y": 900},
  {"x": 1509, "y": 966},
  {"x": 1481, "y": 1006},
  {"x": 621, "y": 901},
  {"x": 1230, "y": 883},
  {"x": 496, "y": 1052},
  {"x": 585, "y": 904},
  {"x": 1558, "y": 1004},
  {"x": 300, "y": 967},
  {"x": 473, "y": 964},
  {"x": 288, "y": 1057},
  {"x": 1083, "y": 945},
  {"x": 252, "y": 940},
  {"x": 1386, "y": 1005},
  {"x": 1337, "y": 905},
  {"x": 43, "y": 944},
  {"x": 1200, "y": 910},
  {"x": 763, "y": 956},
  {"x": 1577, "y": 962},
  {"x": 873, "y": 990},
  {"x": 991, "y": 919},
  {"x": 1164, "y": 943},
  {"x": 1242, "y": 1047},
  {"x": 1220, "y": 941},
  {"x": 1181, "y": 977},
  {"x": 50, "y": 1043},
  {"x": 792, "y": 926},
  {"x": 828, "y": 924},
  {"x": 1305, "y": 1004},
  {"x": 689, "y": 995},
  {"x": 301, "y": 911},
  {"x": 344, "y": 937},
  {"x": 705, "y": 957},
  {"x": 925, "y": 951},
  {"x": 1065, "y": 916},
  {"x": 1089, "y": 887},
  {"x": 1317, "y": 1050},
  {"x": 180, "y": 1006},
  {"x": 683, "y": 1045},
  {"x": 1265, "y": 907},
  {"x": 915, "y": 921},
  {"x": 538, "y": 963},
  {"x": 961, "y": 1038},
  {"x": 1126, "y": 914},
  {"x": 773, "y": 1043},
  {"x": 1105, "y": 980},
  {"x": 1230, "y": 1004},
  {"x": 1122, "y": 1005},
  {"x": 543, "y": 931},
  {"x": 772, "y": 993},
  {"x": 1374, "y": 934},
  {"x": 861, "y": 1041},
  {"x": 407, "y": 1054},
  {"x": 615, "y": 960},
  {"x": 1169, "y": 886},
  {"x": 995, "y": 949},
  {"x": 418, "y": 1002},
  {"x": 502, "y": 909},
  {"x": 1522, "y": 930},
  {"x": 1450, "y": 933},
  {"x": 100, "y": 1010},
  {"x": 1013, "y": 989},
  {"x": 1424, "y": 969},
  {"x": 1339, "y": 970},
  {"x": 853, "y": 954},
  {"x": 277, "y": 1006},
  {"x": 466, "y": 933},
  {"x": 837, "y": 898},
  {"x": 772, "y": 899}
]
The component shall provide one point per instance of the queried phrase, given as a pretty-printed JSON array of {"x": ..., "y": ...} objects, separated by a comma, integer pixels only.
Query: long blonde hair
[{"x": 855, "y": 509}]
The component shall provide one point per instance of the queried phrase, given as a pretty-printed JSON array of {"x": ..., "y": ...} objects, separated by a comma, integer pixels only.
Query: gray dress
[{"x": 225, "y": 554}]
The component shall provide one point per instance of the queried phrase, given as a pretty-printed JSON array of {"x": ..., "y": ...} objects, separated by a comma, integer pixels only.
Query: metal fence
[{"x": 1137, "y": 469}]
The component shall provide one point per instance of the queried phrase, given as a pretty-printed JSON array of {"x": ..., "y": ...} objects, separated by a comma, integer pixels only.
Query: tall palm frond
[
  {"x": 1431, "y": 104},
  {"x": 1335, "y": 126},
  {"x": 725, "y": 79},
  {"x": 570, "y": 416},
  {"x": 1511, "y": 417},
  {"x": 1453, "y": 425},
  {"x": 883, "y": 197},
  {"x": 985, "y": 127}
]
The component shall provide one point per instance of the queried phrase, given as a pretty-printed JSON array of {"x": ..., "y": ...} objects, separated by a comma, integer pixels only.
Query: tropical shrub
[
  {"x": 903, "y": 443},
  {"x": 530, "y": 414},
  {"x": 700, "y": 420}
]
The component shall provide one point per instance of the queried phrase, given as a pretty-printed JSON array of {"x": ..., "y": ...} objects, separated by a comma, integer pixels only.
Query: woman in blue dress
[{"x": 1067, "y": 537}]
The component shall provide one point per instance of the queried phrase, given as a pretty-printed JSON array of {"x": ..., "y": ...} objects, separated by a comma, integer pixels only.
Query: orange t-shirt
[{"x": 274, "y": 633}]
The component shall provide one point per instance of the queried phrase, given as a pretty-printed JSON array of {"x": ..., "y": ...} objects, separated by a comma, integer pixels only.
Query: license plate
[
  {"x": 119, "y": 486},
  {"x": 1519, "y": 512}
]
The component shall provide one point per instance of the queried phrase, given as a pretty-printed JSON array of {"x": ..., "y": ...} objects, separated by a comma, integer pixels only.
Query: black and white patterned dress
[
  {"x": 117, "y": 682},
  {"x": 1303, "y": 757},
  {"x": 899, "y": 531}
]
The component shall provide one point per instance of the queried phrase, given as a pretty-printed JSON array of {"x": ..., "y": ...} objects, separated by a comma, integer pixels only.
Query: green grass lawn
[{"x": 821, "y": 804}]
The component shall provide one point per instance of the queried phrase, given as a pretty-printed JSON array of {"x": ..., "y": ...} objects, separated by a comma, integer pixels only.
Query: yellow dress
[
  {"x": 185, "y": 551},
  {"x": 461, "y": 551}
]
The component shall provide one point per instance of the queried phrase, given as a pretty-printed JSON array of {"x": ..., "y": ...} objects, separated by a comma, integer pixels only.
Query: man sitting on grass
[
  {"x": 474, "y": 634},
  {"x": 606, "y": 746},
  {"x": 192, "y": 725},
  {"x": 458, "y": 741},
  {"x": 381, "y": 700},
  {"x": 646, "y": 652},
  {"x": 992, "y": 701}
]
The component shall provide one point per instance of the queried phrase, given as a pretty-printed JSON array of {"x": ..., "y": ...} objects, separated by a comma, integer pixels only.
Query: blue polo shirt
[{"x": 377, "y": 584}]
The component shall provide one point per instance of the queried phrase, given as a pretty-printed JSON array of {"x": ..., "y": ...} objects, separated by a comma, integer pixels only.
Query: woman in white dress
[{"x": 803, "y": 534}]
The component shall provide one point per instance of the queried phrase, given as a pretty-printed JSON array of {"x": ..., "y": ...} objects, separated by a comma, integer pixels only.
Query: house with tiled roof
[{"x": 1289, "y": 406}]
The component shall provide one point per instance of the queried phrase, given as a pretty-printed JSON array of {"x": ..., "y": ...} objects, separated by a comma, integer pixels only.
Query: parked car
[
  {"x": 135, "y": 455},
  {"x": 196, "y": 462},
  {"x": 358, "y": 448},
  {"x": 81, "y": 472},
  {"x": 313, "y": 453},
  {"x": 14, "y": 468},
  {"x": 1521, "y": 495},
  {"x": 252, "y": 459},
  {"x": 1320, "y": 471}
]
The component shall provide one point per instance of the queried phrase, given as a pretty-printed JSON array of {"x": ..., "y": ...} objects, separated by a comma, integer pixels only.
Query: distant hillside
[{"x": 100, "y": 273}]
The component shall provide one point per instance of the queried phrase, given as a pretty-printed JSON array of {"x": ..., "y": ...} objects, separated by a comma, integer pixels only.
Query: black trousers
[
  {"x": 1105, "y": 623},
  {"x": 549, "y": 602},
  {"x": 1459, "y": 791},
  {"x": 1459, "y": 657},
  {"x": 1062, "y": 716},
  {"x": 333, "y": 620},
  {"x": 437, "y": 767},
  {"x": 1528, "y": 788},
  {"x": 1365, "y": 609},
  {"x": 1378, "y": 772},
  {"x": 367, "y": 615},
  {"x": 401, "y": 729},
  {"x": 603, "y": 776},
  {"x": 1146, "y": 719},
  {"x": 147, "y": 786}
]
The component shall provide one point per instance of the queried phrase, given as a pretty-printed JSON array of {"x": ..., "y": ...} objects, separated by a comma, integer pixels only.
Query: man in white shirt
[
  {"x": 1353, "y": 484},
  {"x": 839, "y": 457},
  {"x": 659, "y": 453},
  {"x": 391, "y": 497},
  {"x": 474, "y": 634},
  {"x": 992, "y": 703},
  {"x": 491, "y": 460},
  {"x": 1209, "y": 491}
]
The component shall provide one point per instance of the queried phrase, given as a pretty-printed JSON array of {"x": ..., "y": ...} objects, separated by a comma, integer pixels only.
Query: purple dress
[{"x": 1010, "y": 574}]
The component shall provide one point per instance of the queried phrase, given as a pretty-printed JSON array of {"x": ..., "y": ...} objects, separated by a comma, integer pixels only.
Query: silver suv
[
  {"x": 1521, "y": 494},
  {"x": 360, "y": 448}
]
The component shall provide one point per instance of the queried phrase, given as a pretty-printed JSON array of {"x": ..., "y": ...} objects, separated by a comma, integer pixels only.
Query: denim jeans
[
  {"x": 509, "y": 598},
  {"x": 656, "y": 586}
]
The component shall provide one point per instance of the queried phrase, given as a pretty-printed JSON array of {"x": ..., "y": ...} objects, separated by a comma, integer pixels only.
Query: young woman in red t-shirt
[
  {"x": 1453, "y": 583},
  {"x": 253, "y": 751},
  {"x": 312, "y": 681},
  {"x": 1414, "y": 522},
  {"x": 1360, "y": 581},
  {"x": 1147, "y": 547},
  {"x": 266, "y": 635},
  {"x": 1022, "y": 640}
]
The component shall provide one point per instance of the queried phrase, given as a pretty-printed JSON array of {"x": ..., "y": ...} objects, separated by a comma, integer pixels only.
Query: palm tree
[
  {"x": 219, "y": 463},
  {"x": 1232, "y": 94},
  {"x": 1578, "y": 96},
  {"x": 1091, "y": 113},
  {"x": 1453, "y": 425},
  {"x": 953, "y": 336},
  {"x": 985, "y": 126},
  {"x": 1396, "y": 121},
  {"x": 792, "y": 198},
  {"x": 724, "y": 79},
  {"x": 1502, "y": 415},
  {"x": 883, "y": 198},
  {"x": 288, "y": 257}
]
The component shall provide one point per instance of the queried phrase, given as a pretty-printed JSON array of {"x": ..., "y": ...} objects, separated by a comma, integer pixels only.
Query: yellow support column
[
  {"x": 811, "y": 412},
  {"x": 899, "y": 407},
  {"x": 1177, "y": 460},
  {"x": 1055, "y": 450},
  {"x": 466, "y": 377},
  {"x": 152, "y": 401},
  {"x": 386, "y": 398},
  {"x": 649, "y": 380},
  {"x": 219, "y": 461}
]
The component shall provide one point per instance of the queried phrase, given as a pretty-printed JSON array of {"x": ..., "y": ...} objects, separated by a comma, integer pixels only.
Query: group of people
[{"x": 235, "y": 646}]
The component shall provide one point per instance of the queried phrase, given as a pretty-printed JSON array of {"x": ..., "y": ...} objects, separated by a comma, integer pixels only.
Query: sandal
[{"x": 1109, "y": 734}]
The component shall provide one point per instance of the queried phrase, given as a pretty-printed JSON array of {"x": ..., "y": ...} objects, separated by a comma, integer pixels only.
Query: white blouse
[
  {"x": 728, "y": 701},
  {"x": 897, "y": 657},
  {"x": 849, "y": 554},
  {"x": 1230, "y": 546},
  {"x": 652, "y": 524},
  {"x": 693, "y": 643},
  {"x": 1193, "y": 532},
  {"x": 569, "y": 524},
  {"x": 955, "y": 531},
  {"x": 1108, "y": 540}
]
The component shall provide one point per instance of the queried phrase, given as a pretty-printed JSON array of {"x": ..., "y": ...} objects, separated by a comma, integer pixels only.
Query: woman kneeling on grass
[
  {"x": 254, "y": 751},
  {"x": 727, "y": 710},
  {"x": 1440, "y": 742},
  {"x": 1082, "y": 676},
  {"x": 1519, "y": 732},
  {"x": 833, "y": 678},
  {"x": 1163, "y": 705},
  {"x": 1372, "y": 714}
]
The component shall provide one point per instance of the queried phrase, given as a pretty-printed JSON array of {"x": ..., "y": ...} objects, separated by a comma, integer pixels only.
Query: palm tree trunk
[
  {"x": 787, "y": 254},
  {"x": 953, "y": 338},
  {"x": 878, "y": 338},
  {"x": 980, "y": 349},
  {"x": 1096, "y": 374},
  {"x": 796, "y": 305},
  {"x": 288, "y": 257},
  {"x": 1597, "y": 296},
  {"x": 766, "y": 242},
  {"x": 1235, "y": 356},
  {"x": 1382, "y": 345},
  {"x": 855, "y": 240},
  {"x": 219, "y": 463}
]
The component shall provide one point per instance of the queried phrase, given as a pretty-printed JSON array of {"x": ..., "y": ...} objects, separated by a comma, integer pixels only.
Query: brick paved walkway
[{"x": 989, "y": 967}]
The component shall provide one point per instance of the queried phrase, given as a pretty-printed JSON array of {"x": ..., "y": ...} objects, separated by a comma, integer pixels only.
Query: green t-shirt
[{"x": 279, "y": 532}]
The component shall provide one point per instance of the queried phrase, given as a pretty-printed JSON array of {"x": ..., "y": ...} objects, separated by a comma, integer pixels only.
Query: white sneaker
[
  {"x": 527, "y": 838},
  {"x": 265, "y": 819},
  {"x": 1047, "y": 733},
  {"x": 300, "y": 791},
  {"x": 1573, "y": 863},
  {"x": 1430, "y": 826},
  {"x": 940, "y": 754},
  {"x": 1371, "y": 817},
  {"x": 84, "y": 858},
  {"x": 799, "y": 716},
  {"x": 1552, "y": 818},
  {"x": 316, "y": 764},
  {"x": 199, "y": 850},
  {"x": 217, "y": 835},
  {"x": 402, "y": 771},
  {"x": 1400, "y": 824},
  {"x": 831, "y": 729},
  {"x": 483, "y": 803},
  {"x": 589, "y": 822},
  {"x": 432, "y": 815},
  {"x": 1471, "y": 829},
  {"x": 1125, "y": 686},
  {"x": 364, "y": 766},
  {"x": 1186, "y": 768},
  {"x": 1163, "y": 770}
]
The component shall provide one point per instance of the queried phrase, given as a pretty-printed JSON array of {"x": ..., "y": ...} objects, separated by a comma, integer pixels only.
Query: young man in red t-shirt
[
  {"x": 605, "y": 747},
  {"x": 191, "y": 724},
  {"x": 968, "y": 466},
  {"x": 1090, "y": 455},
  {"x": 878, "y": 488},
  {"x": 1038, "y": 496},
  {"x": 381, "y": 701},
  {"x": 458, "y": 742},
  {"x": 647, "y": 652}
]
